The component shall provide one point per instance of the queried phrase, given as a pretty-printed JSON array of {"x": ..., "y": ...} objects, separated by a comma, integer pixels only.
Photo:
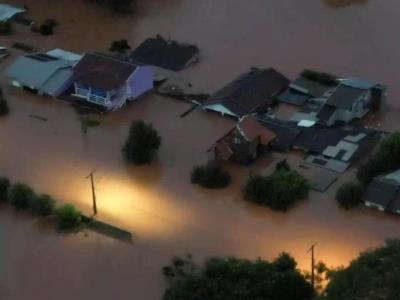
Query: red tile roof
[{"x": 251, "y": 129}]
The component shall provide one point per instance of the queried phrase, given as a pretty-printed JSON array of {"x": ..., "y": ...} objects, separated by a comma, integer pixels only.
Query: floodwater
[{"x": 167, "y": 214}]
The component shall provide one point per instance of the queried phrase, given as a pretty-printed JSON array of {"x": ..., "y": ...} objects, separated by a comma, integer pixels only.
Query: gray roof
[
  {"x": 359, "y": 83},
  {"x": 7, "y": 11},
  {"x": 344, "y": 97},
  {"x": 43, "y": 73},
  {"x": 310, "y": 87}
]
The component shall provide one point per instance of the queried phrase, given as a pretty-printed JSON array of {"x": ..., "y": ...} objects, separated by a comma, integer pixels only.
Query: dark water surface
[{"x": 168, "y": 215}]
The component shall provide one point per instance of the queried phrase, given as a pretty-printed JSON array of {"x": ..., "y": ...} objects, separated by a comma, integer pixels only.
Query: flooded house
[
  {"x": 41, "y": 73},
  {"x": 9, "y": 12},
  {"x": 252, "y": 92},
  {"x": 244, "y": 143},
  {"x": 108, "y": 82},
  {"x": 352, "y": 99},
  {"x": 165, "y": 53},
  {"x": 384, "y": 193}
]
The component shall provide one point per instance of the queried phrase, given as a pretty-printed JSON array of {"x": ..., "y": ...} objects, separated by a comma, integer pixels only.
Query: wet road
[{"x": 167, "y": 214}]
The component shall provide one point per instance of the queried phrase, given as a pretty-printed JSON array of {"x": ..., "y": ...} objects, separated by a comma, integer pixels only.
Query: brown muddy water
[{"x": 167, "y": 214}]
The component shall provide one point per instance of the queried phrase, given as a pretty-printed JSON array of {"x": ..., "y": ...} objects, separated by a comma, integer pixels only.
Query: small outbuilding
[
  {"x": 244, "y": 143},
  {"x": 9, "y": 12},
  {"x": 165, "y": 53}
]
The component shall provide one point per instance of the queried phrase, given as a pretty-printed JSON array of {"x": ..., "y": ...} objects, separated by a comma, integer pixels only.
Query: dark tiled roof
[
  {"x": 102, "y": 72},
  {"x": 310, "y": 87},
  {"x": 344, "y": 97},
  {"x": 250, "y": 91},
  {"x": 163, "y": 53},
  {"x": 292, "y": 96},
  {"x": 315, "y": 139},
  {"x": 326, "y": 113},
  {"x": 286, "y": 133},
  {"x": 382, "y": 192}
]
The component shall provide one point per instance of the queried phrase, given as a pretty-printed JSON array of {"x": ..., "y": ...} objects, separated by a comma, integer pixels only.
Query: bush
[
  {"x": 46, "y": 28},
  {"x": 120, "y": 46},
  {"x": 4, "y": 186},
  {"x": 279, "y": 191},
  {"x": 142, "y": 143},
  {"x": 373, "y": 275},
  {"x": 282, "y": 166},
  {"x": 5, "y": 28},
  {"x": 239, "y": 279},
  {"x": 349, "y": 195},
  {"x": 68, "y": 217},
  {"x": 4, "y": 109},
  {"x": 211, "y": 175},
  {"x": 43, "y": 205},
  {"x": 20, "y": 196}
]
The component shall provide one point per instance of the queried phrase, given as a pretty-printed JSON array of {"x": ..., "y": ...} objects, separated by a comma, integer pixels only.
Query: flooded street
[{"x": 167, "y": 215}]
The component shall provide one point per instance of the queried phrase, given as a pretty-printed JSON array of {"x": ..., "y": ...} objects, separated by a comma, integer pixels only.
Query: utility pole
[
  {"x": 311, "y": 250},
  {"x": 91, "y": 176}
]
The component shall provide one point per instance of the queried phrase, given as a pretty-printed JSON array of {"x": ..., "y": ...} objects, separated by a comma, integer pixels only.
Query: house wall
[{"x": 140, "y": 82}]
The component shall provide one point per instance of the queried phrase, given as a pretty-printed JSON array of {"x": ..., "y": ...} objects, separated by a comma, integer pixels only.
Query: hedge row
[{"x": 23, "y": 197}]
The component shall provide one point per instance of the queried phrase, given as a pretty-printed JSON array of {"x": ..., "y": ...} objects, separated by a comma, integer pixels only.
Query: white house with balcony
[{"x": 109, "y": 82}]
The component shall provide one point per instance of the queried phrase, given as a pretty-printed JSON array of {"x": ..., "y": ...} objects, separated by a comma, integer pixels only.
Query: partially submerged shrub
[
  {"x": 142, "y": 143},
  {"x": 279, "y": 191},
  {"x": 20, "y": 195},
  {"x": 349, "y": 195},
  {"x": 43, "y": 205},
  {"x": 4, "y": 186},
  {"x": 211, "y": 175},
  {"x": 46, "y": 28},
  {"x": 4, "y": 109},
  {"x": 5, "y": 28},
  {"x": 120, "y": 46},
  {"x": 68, "y": 217}
]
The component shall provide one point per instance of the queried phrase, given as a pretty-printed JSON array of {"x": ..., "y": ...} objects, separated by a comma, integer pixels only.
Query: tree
[
  {"x": 4, "y": 109},
  {"x": 5, "y": 28},
  {"x": 349, "y": 195},
  {"x": 374, "y": 275},
  {"x": 211, "y": 175},
  {"x": 68, "y": 217},
  {"x": 279, "y": 191},
  {"x": 240, "y": 279},
  {"x": 120, "y": 46},
  {"x": 4, "y": 186},
  {"x": 142, "y": 143},
  {"x": 282, "y": 165},
  {"x": 20, "y": 195},
  {"x": 120, "y": 6},
  {"x": 43, "y": 205}
]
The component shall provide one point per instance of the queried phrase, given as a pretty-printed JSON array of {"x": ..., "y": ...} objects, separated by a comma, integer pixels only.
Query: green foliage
[
  {"x": 349, "y": 195},
  {"x": 4, "y": 186},
  {"x": 239, "y": 279},
  {"x": 20, "y": 196},
  {"x": 374, "y": 275},
  {"x": 120, "y": 6},
  {"x": 211, "y": 175},
  {"x": 279, "y": 191},
  {"x": 4, "y": 109},
  {"x": 43, "y": 205},
  {"x": 46, "y": 28},
  {"x": 386, "y": 159},
  {"x": 5, "y": 28},
  {"x": 120, "y": 46},
  {"x": 282, "y": 165},
  {"x": 142, "y": 143},
  {"x": 68, "y": 217},
  {"x": 320, "y": 77}
]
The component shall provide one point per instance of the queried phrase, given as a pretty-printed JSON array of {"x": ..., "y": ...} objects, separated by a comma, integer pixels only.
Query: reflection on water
[
  {"x": 167, "y": 215},
  {"x": 336, "y": 4}
]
